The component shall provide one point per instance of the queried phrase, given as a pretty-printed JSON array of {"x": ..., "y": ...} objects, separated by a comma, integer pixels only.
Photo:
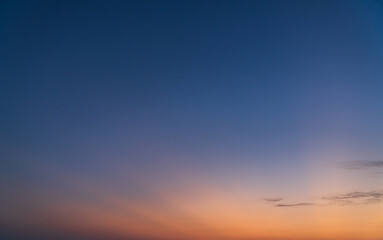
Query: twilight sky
[{"x": 191, "y": 120}]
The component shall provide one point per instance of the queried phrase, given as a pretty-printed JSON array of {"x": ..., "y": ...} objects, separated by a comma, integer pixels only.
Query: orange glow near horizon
[{"x": 206, "y": 213}]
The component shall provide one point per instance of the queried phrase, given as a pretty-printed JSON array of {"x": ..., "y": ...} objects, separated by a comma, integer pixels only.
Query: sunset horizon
[{"x": 191, "y": 120}]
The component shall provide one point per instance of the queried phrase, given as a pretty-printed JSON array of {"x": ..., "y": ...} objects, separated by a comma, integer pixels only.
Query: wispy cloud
[
  {"x": 276, "y": 202},
  {"x": 362, "y": 164},
  {"x": 357, "y": 197},
  {"x": 273, "y": 200},
  {"x": 342, "y": 199},
  {"x": 303, "y": 204}
]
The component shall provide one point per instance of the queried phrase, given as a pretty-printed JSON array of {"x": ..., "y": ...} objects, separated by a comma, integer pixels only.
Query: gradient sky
[{"x": 191, "y": 120}]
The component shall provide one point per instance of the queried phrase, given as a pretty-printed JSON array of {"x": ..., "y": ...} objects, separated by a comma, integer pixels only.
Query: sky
[{"x": 191, "y": 120}]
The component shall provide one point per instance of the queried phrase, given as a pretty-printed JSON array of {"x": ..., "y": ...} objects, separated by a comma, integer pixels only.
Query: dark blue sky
[{"x": 160, "y": 89}]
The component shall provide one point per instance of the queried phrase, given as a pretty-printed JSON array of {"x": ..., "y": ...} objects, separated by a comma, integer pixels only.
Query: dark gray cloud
[
  {"x": 362, "y": 164},
  {"x": 295, "y": 204}
]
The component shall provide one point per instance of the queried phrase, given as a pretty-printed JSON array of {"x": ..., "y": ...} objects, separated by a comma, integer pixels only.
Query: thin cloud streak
[
  {"x": 276, "y": 203},
  {"x": 273, "y": 200},
  {"x": 355, "y": 195},
  {"x": 303, "y": 204},
  {"x": 343, "y": 199},
  {"x": 361, "y": 164}
]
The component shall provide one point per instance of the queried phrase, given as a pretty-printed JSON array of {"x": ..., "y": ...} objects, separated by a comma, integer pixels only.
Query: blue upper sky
[{"x": 158, "y": 88}]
